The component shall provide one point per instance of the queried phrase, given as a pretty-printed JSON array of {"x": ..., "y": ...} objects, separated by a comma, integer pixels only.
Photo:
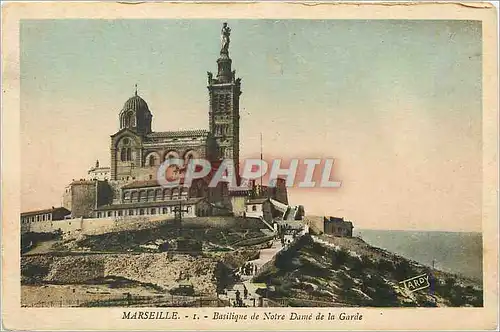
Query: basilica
[
  {"x": 136, "y": 151},
  {"x": 129, "y": 186}
]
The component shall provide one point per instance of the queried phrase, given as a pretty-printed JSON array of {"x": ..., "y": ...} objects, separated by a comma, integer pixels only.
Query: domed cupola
[
  {"x": 135, "y": 103},
  {"x": 135, "y": 115}
]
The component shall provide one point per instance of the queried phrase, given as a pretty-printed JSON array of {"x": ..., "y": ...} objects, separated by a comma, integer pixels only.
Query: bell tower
[{"x": 224, "y": 104}]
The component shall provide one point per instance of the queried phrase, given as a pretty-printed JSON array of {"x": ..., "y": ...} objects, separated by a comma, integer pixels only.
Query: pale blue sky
[{"x": 398, "y": 103}]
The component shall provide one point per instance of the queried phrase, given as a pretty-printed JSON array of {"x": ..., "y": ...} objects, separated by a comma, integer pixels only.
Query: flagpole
[{"x": 261, "y": 159}]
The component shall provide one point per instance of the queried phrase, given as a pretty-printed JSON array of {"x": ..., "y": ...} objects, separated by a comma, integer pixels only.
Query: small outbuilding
[{"x": 338, "y": 227}]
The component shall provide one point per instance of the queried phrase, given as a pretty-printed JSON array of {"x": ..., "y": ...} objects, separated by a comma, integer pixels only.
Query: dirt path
[{"x": 42, "y": 247}]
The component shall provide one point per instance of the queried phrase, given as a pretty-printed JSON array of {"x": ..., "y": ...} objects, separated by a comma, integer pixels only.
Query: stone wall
[
  {"x": 48, "y": 226},
  {"x": 316, "y": 223},
  {"x": 225, "y": 222},
  {"x": 105, "y": 193},
  {"x": 83, "y": 198},
  {"x": 281, "y": 193},
  {"x": 67, "y": 198},
  {"x": 93, "y": 226}
]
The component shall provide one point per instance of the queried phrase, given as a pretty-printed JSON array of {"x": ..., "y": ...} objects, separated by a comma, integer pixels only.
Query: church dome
[
  {"x": 135, "y": 103},
  {"x": 136, "y": 115}
]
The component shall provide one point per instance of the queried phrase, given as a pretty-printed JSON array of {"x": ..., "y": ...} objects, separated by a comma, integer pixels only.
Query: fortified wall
[
  {"x": 83, "y": 196},
  {"x": 89, "y": 225},
  {"x": 103, "y": 225}
]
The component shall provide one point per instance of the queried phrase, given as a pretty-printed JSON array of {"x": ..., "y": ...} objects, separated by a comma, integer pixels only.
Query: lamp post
[{"x": 178, "y": 214}]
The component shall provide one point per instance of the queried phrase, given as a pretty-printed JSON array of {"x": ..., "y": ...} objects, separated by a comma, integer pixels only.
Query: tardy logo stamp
[{"x": 416, "y": 283}]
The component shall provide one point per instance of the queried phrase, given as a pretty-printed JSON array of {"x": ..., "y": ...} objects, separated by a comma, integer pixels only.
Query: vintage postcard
[{"x": 249, "y": 166}]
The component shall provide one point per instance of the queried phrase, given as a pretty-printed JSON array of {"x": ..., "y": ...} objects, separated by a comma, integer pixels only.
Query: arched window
[
  {"x": 171, "y": 155},
  {"x": 126, "y": 154},
  {"x": 152, "y": 160},
  {"x": 254, "y": 207},
  {"x": 188, "y": 156},
  {"x": 129, "y": 120}
]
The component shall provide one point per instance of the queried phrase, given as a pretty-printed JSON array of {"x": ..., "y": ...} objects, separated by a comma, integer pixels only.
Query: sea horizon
[{"x": 451, "y": 251}]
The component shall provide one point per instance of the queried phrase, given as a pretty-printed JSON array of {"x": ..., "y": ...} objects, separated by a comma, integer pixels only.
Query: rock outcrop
[{"x": 157, "y": 269}]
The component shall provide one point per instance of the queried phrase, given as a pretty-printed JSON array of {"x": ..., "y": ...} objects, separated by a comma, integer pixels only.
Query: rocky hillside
[
  {"x": 205, "y": 272},
  {"x": 318, "y": 270},
  {"x": 165, "y": 236},
  {"x": 205, "y": 250}
]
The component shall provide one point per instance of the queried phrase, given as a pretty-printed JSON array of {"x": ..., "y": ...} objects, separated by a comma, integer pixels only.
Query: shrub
[
  {"x": 402, "y": 270},
  {"x": 284, "y": 260},
  {"x": 450, "y": 282},
  {"x": 303, "y": 286},
  {"x": 312, "y": 269},
  {"x": 367, "y": 262},
  {"x": 458, "y": 300},
  {"x": 427, "y": 303},
  {"x": 477, "y": 301},
  {"x": 283, "y": 290},
  {"x": 385, "y": 266},
  {"x": 339, "y": 258},
  {"x": 381, "y": 293},
  {"x": 445, "y": 288},
  {"x": 356, "y": 265},
  {"x": 384, "y": 297},
  {"x": 319, "y": 249},
  {"x": 346, "y": 280},
  {"x": 304, "y": 241}
]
